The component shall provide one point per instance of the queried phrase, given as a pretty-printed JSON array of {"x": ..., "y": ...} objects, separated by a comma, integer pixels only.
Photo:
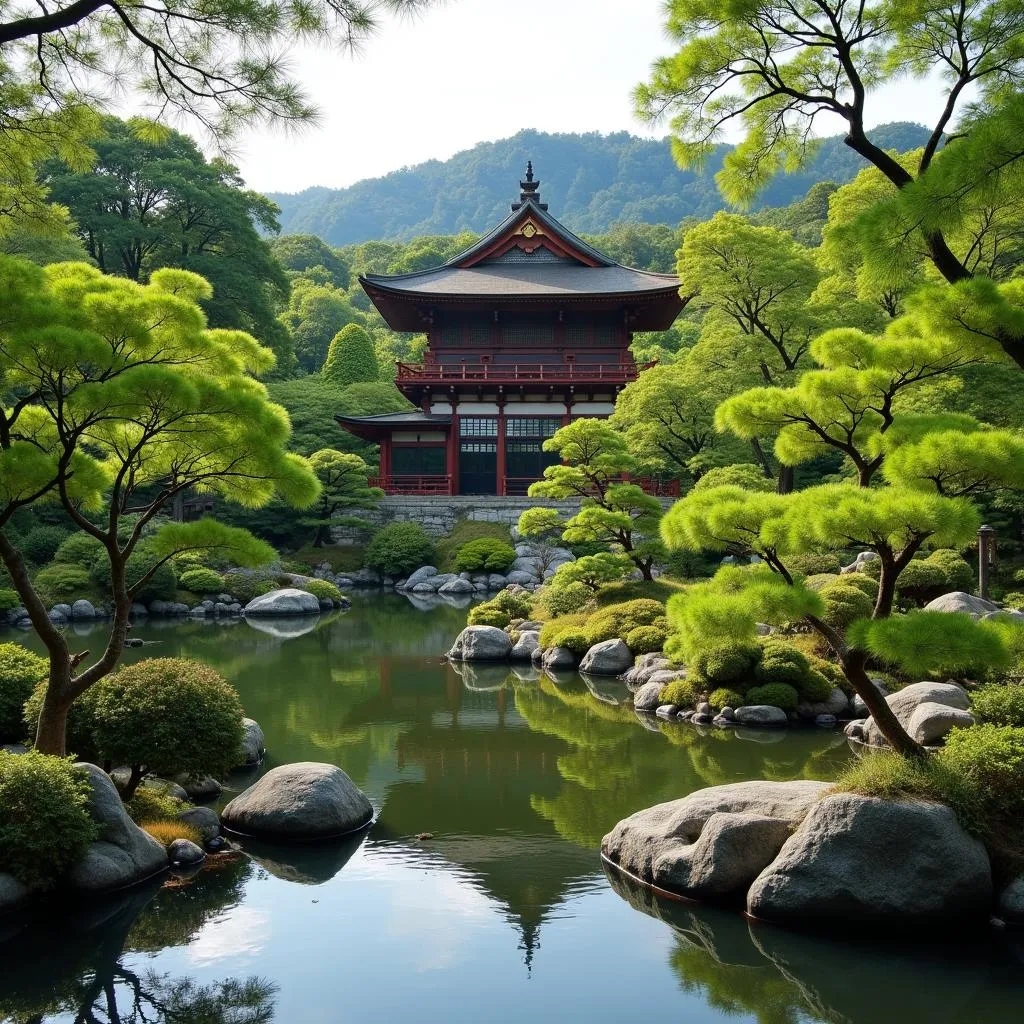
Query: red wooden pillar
[
  {"x": 501, "y": 447},
  {"x": 453, "y": 447}
]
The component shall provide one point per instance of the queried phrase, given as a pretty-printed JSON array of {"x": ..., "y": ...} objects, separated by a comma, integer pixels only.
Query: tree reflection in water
[{"x": 75, "y": 964}]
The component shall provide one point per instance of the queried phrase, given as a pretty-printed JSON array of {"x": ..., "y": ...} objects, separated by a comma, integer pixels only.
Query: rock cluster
[
  {"x": 797, "y": 852},
  {"x": 928, "y": 711}
]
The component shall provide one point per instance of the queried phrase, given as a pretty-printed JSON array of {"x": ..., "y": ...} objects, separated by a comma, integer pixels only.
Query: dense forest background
[{"x": 591, "y": 181}]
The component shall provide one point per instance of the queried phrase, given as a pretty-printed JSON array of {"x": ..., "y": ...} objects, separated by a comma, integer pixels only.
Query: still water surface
[{"x": 506, "y": 914}]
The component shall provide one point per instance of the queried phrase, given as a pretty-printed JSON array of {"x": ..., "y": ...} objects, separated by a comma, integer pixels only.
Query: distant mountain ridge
[{"x": 591, "y": 181}]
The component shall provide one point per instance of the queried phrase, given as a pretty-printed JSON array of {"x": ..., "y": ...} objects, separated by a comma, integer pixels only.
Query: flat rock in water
[
  {"x": 125, "y": 854},
  {"x": 306, "y": 800},
  {"x": 287, "y": 601},
  {"x": 664, "y": 833},
  {"x": 607, "y": 658},
  {"x": 648, "y": 697},
  {"x": 481, "y": 643},
  {"x": 456, "y": 586},
  {"x": 859, "y": 859},
  {"x": 184, "y": 851},
  {"x": 558, "y": 657},
  {"x": 424, "y": 572},
  {"x": 765, "y": 716}
]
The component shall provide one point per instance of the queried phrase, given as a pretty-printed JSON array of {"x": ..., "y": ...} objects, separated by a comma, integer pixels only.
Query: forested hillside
[{"x": 592, "y": 181}]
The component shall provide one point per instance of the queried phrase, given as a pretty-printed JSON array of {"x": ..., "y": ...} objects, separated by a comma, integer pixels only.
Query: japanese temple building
[{"x": 527, "y": 329}]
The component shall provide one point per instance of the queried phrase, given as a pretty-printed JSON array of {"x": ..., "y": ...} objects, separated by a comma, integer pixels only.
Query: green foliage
[
  {"x": 845, "y": 603},
  {"x": 59, "y": 583},
  {"x": 780, "y": 695},
  {"x": 920, "y": 582},
  {"x": 40, "y": 544},
  {"x": 399, "y": 548},
  {"x": 350, "y": 358},
  {"x": 501, "y": 609},
  {"x": 9, "y": 599},
  {"x": 782, "y": 663},
  {"x": 551, "y": 630},
  {"x": 999, "y": 704},
  {"x": 244, "y": 587},
  {"x": 46, "y": 825},
  {"x": 79, "y": 739},
  {"x": 956, "y": 571},
  {"x": 169, "y": 715},
  {"x": 323, "y": 590},
  {"x": 930, "y": 644},
  {"x": 741, "y": 474},
  {"x": 573, "y": 639},
  {"x": 462, "y": 533},
  {"x": 812, "y": 564},
  {"x": 725, "y": 698},
  {"x": 303, "y": 252},
  {"x": 618, "y": 620},
  {"x": 889, "y": 776},
  {"x": 20, "y": 671},
  {"x": 725, "y": 663},
  {"x": 316, "y": 314},
  {"x": 160, "y": 586},
  {"x": 990, "y": 760},
  {"x": 864, "y": 582},
  {"x": 79, "y": 549},
  {"x": 646, "y": 639},
  {"x": 682, "y": 692},
  {"x": 344, "y": 484},
  {"x": 149, "y": 804},
  {"x": 593, "y": 571},
  {"x": 201, "y": 581},
  {"x": 565, "y": 598},
  {"x": 486, "y": 554}
]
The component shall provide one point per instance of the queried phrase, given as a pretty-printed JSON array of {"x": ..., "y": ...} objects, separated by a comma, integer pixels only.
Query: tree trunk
[
  {"x": 896, "y": 736},
  {"x": 785, "y": 485},
  {"x": 137, "y": 775},
  {"x": 51, "y": 729}
]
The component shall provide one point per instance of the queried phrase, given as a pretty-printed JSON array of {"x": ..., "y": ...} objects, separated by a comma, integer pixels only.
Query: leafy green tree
[
  {"x": 351, "y": 358},
  {"x": 304, "y": 252},
  {"x": 774, "y": 67},
  {"x": 146, "y": 204},
  {"x": 315, "y": 314},
  {"x": 343, "y": 484},
  {"x": 116, "y": 398},
  {"x": 595, "y": 457},
  {"x": 644, "y": 246},
  {"x": 592, "y": 571}
]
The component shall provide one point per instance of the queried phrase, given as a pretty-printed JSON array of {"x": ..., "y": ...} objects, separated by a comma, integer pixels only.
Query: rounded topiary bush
[
  {"x": 1014, "y": 599},
  {"x": 957, "y": 573},
  {"x": 999, "y": 703},
  {"x": 201, "y": 581},
  {"x": 40, "y": 544},
  {"x": 723, "y": 697},
  {"x": 20, "y": 672},
  {"x": 45, "y": 825},
  {"x": 564, "y": 598},
  {"x": 549, "y": 630},
  {"x": 79, "y": 737},
  {"x": 646, "y": 639},
  {"x": 780, "y": 695},
  {"x": 399, "y": 549},
  {"x": 781, "y": 663},
  {"x": 168, "y": 715},
  {"x": 323, "y": 590},
  {"x": 487, "y": 554},
  {"x": 502, "y": 609},
  {"x": 728, "y": 662},
  {"x": 9, "y": 599},
  {"x": 813, "y": 565},
  {"x": 573, "y": 639},
  {"x": 867, "y": 585},
  {"x": 243, "y": 587},
  {"x": 618, "y": 620},
  {"x": 59, "y": 583},
  {"x": 920, "y": 582},
  {"x": 79, "y": 549},
  {"x": 487, "y": 614},
  {"x": 815, "y": 687},
  {"x": 845, "y": 602},
  {"x": 682, "y": 692},
  {"x": 989, "y": 759}
]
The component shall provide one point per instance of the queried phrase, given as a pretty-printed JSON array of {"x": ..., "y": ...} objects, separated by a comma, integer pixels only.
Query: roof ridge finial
[{"x": 529, "y": 190}]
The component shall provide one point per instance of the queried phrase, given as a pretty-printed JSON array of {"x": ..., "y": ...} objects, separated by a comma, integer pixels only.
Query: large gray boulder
[
  {"x": 203, "y": 818},
  {"x": 906, "y": 701},
  {"x": 185, "y": 852},
  {"x": 859, "y": 859},
  {"x": 647, "y": 697},
  {"x": 481, "y": 643},
  {"x": 958, "y": 601},
  {"x": 287, "y": 601},
  {"x": 528, "y": 642},
  {"x": 522, "y": 578},
  {"x": 254, "y": 744},
  {"x": 306, "y": 800},
  {"x": 643, "y": 668},
  {"x": 658, "y": 841},
  {"x": 456, "y": 586},
  {"x": 12, "y": 892},
  {"x": 123, "y": 854},
  {"x": 558, "y": 658},
  {"x": 929, "y": 723},
  {"x": 423, "y": 573},
  {"x": 607, "y": 658},
  {"x": 837, "y": 704},
  {"x": 83, "y": 609},
  {"x": 764, "y": 716}
]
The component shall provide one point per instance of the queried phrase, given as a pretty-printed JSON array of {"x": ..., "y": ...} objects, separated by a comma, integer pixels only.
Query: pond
[{"x": 506, "y": 913}]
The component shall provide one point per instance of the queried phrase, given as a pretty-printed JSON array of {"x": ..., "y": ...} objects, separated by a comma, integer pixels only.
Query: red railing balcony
[
  {"x": 512, "y": 373},
  {"x": 409, "y": 484}
]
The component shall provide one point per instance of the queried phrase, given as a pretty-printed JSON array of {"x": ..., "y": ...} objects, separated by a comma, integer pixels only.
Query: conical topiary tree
[{"x": 351, "y": 359}]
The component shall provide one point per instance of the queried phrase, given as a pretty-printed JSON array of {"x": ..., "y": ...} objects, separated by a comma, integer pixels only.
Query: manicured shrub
[
  {"x": 564, "y": 598},
  {"x": 166, "y": 831},
  {"x": 502, "y": 609},
  {"x": 323, "y": 590},
  {"x": 815, "y": 687},
  {"x": 1000, "y": 704},
  {"x": 58, "y": 583},
  {"x": 819, "y": 580},
  {"x": 781, "y": 663},
  {"x": 168, "y": 715},
  {"x": 40, "y": 544},
  {"x": 723, "y": 697},
  {"x": 920, "y": 581},
  {"x": 79, "y": 736},
  {"x": 957, "y": 573},
  {"x": 160, "y": 587},
  {"x": 812, "y": 565},
  {"x": 45, "y": 825},
  {"x": 732, "y": 662},
  {"x": 867, "y": 585},
  {"x": 645, "y": 639},
  {"x": 1014, "y": 599},
  {"x": 244, "y": 587},
  {"x": 576, "y": 640},
  {"x": 990, "y": 759},
  {"x": 617, "y": 620},
  {"x": 9, "y": 599},
  {"x": 486, "y": 614},
  {"x": 20, "y": 671},
  {"x": 487, "y": 554},
  {"x": 594, "y": 571},
  {"x": 79, "y": 549},
  {"x": 150, "y": 805},
  {"x": 399, "y": 548},
  {"x": 201, "y": 581},
  {"x": 550, "y": 630},
  {"x": 845, "y": 602},
  {"x": 684, "y": 692},
  {"x": 780, "y": 695}
]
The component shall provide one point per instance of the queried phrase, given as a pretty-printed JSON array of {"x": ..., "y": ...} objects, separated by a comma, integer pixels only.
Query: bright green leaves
[
  {"x": 350, "y": 358},
  {"x": 593, "y": 446},
  {"x": 538, "y": 522},
  {"x": 209, "y": 536},
  {"x": 721, "y": 518}
]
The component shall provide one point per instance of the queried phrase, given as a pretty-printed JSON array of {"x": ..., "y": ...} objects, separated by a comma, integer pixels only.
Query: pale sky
[{"x": 477, "y": 70}]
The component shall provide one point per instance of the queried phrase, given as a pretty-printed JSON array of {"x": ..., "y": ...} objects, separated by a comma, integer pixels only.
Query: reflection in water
[
  {"x": 512, "y": 776},
  {"x": 78, "y": 964}
]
